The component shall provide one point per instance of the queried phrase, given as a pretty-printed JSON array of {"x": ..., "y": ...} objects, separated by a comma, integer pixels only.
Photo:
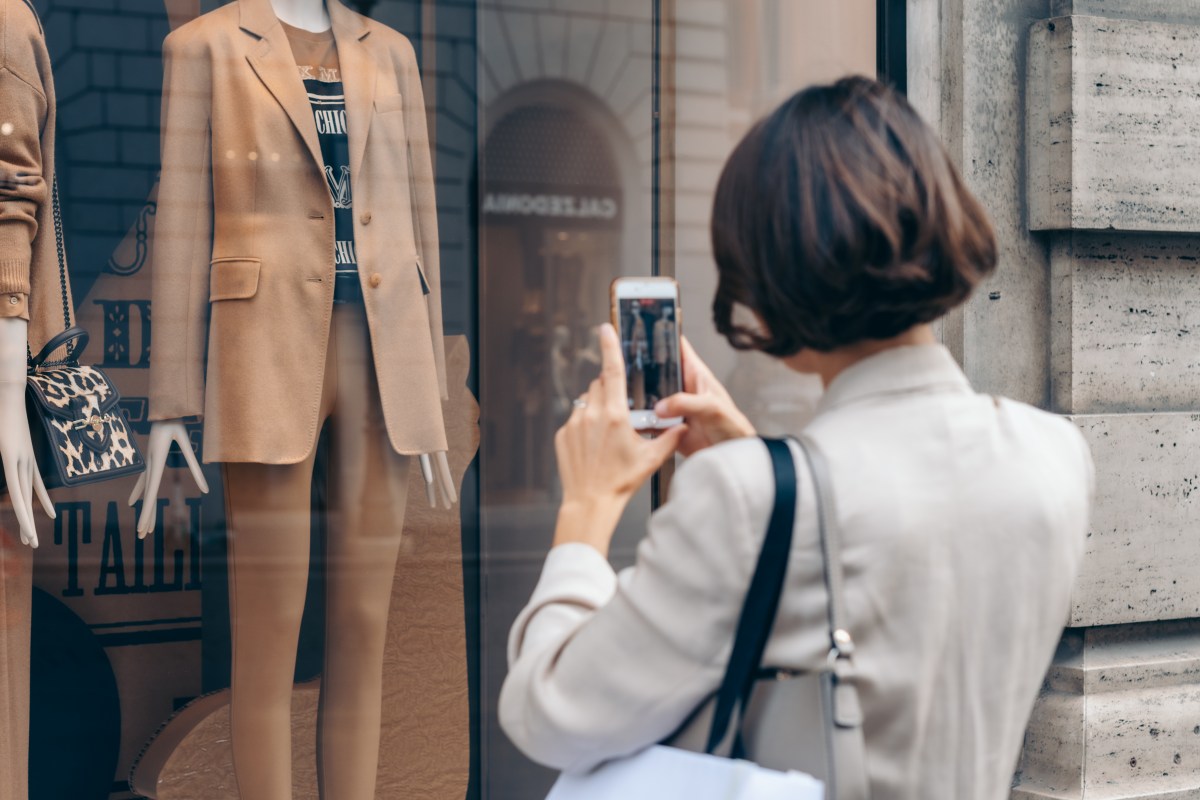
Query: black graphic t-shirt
[{"x": 317, "y": 61}]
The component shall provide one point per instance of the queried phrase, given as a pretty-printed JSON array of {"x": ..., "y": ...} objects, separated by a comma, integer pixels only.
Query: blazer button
[
  {"x": 375, "y": 280},
  {"x": 365, "y": 218}
]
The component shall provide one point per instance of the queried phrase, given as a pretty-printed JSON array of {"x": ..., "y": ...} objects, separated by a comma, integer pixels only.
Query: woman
[{"x": 840, "y": 223}]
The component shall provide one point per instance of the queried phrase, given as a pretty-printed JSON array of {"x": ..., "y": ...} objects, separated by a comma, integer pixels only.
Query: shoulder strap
[
  {"x": 762, "y": 599},
  {"x": 847, "y": 778},
  {"x": 840, "y": 642},
  {"x": 62, "y": 257}
]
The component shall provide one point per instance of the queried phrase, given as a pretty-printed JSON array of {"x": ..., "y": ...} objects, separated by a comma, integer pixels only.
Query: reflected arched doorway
[
  {"x": 551, "y": 215},
  {"x": 563, "y": 209}
]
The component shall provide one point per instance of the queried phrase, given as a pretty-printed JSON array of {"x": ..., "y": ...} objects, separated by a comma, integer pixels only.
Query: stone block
[
  {"x": 520, "y": 31},
  {"x": 1125, "y": 323},
  {"x": 1159, "y": 10},
  {"x": 551, "y": 40},
  {"x": 1113, "y": 125},
  {"x": 581, "y": 48},
  {"x": 1118, "y": 717},
  {"x": 496, "y": 56},
  {"x": 611, "y": 52},
  {"x": 1142, "y": 558}
]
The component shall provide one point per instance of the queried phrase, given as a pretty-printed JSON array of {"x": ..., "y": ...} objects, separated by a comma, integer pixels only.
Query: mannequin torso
[{"x": 311, "y": 15}]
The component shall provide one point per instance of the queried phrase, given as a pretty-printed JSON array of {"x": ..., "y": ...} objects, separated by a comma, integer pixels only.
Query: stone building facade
[{"x": 1075, "y": 121}]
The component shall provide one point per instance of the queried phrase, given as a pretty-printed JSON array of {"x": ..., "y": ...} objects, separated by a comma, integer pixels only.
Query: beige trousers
[
  {"x": 269, "y": 528},
  {"x": 16, "y": 587}
]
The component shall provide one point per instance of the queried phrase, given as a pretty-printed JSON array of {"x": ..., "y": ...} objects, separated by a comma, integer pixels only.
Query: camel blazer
[
  {"x": 243, "y": 252},
  {"x": 963, "y": 521}
]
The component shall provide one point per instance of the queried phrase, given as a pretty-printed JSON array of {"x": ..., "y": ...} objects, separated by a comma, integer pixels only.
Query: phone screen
[{"x": 650, "y": 339}]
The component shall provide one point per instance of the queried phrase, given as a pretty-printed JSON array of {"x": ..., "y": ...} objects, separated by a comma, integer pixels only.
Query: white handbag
[
  {"x": 665, "y": 773},
  {"x": 792, "y": 725}
]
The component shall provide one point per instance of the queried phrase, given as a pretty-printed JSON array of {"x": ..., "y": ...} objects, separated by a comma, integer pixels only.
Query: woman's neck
[
  {"x": 835, "y": 362},
  {"x": 307, "y": 15}
]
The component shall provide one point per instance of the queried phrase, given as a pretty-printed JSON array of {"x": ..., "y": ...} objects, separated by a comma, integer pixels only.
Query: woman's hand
[
  {"x": 602, "y": 460},
  {"x": 711, "y": 416}
]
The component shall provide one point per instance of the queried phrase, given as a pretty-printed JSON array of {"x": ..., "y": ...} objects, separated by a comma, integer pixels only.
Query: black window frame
[{"x": 891, "y": 43}]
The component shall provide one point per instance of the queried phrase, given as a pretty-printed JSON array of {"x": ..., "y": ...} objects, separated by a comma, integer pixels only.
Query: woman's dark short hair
[{"x": 839, "y": 218}]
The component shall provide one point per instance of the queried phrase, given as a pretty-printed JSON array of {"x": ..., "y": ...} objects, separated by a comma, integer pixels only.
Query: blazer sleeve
[
  {"x": 182, "y": 243},
  {"x": 24, "y": 183},
  {"x": 602, "y": 666},
  {"x": 424, "y": 194}
]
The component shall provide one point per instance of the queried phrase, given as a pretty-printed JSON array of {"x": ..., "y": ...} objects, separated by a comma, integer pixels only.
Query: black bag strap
[
  {"x": 76, "y": 337},
  {"x": 66, "y": 297},
  {"x": 847, "y": 778},
  {"x": 762, "y": 599}
]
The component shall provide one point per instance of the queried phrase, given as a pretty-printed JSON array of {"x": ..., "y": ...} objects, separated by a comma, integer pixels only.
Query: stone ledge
[
  {"x": 1119, "y": 717},
  {"x": 1117, "y": 661}
]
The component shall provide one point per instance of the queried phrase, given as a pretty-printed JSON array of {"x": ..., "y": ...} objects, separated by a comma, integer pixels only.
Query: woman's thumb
[
  {"x": 666, "y": 443},
  {"x": 684, "y": 405}
]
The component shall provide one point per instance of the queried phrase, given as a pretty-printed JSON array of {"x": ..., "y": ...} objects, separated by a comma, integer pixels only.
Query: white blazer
[{"x": 963, "y": 520}]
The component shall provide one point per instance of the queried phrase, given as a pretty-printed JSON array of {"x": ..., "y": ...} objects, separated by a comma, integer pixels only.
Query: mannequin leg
[
  {"x": 16, "y": 587},
  {"x": 268, "y": 575},
  {"x": 368, "y": 493},
  {"x": 269, "y": 520}
]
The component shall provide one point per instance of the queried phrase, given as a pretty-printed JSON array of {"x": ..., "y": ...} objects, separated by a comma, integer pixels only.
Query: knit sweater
[{"x": 29, "y": 281}]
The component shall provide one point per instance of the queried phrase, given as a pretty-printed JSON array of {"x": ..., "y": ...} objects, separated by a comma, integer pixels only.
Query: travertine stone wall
[
  {"x": 1142, "y": 559},
  {"x": 1114, "y": 125},
  {"x": 1126, "y": 323},
  {"x": 1092, "y": 190}
]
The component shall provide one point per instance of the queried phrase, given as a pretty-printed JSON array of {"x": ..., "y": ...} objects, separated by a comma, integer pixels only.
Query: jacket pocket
[
  {"x": 421, "y": 275},
  {"x": 233, "y": 278},
  {"x": 391, "y": 102}
]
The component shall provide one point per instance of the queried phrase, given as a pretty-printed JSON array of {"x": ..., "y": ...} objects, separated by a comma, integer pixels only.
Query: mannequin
[
  {"x": 252, "y": 126},
  {"x": 30, "y": 313},
  {"x": 639, "y": 358},
  {"x": 666, "y": 355}
]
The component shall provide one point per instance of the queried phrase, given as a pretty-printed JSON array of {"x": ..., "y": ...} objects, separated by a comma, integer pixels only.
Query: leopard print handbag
[{"x": 80, "y": 435}]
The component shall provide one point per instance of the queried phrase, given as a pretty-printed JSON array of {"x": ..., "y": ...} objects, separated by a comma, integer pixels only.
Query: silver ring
[{"x": 579, "y": 402}]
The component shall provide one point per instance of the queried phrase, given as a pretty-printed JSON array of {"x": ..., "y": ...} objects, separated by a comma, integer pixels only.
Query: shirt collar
[{"x": 897, "y": 370}]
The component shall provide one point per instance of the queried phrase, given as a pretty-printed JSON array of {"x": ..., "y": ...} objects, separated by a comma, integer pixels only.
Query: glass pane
[
  {"x": 549, "y": 175},
  {"x": 565, "y": 206},
  {"x": 734, "y": 61}
]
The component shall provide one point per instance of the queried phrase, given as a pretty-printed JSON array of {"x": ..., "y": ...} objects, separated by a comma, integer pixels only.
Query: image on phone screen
[{"x": 650, "y": 340}]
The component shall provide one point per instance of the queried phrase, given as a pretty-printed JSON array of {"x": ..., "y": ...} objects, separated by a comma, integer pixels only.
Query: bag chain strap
[{"x": 62, "y": 282}]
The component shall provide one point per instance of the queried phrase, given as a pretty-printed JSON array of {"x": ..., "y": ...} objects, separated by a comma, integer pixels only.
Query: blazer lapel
[
  {"x": 359, "y": 72},
  {"x": 275, "y": 66}
]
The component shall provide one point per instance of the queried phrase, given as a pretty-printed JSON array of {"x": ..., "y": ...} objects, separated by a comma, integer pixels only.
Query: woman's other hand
[
  {"x": 602, "y": 460},
  {"x": 704, "y": 404}
]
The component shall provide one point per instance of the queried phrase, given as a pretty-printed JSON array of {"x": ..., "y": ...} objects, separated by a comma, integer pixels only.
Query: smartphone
[{"x": 646, "y": 314}]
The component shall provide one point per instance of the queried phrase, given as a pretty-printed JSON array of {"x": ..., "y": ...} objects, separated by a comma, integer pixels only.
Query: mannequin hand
[
  {"x": 444, "y": 480},
  {"x": 162, "y": 435},
  {"x": 20, "y": 467},
  {"x": 439, "y": 482},
  {"x": 16, "y": 446}
]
